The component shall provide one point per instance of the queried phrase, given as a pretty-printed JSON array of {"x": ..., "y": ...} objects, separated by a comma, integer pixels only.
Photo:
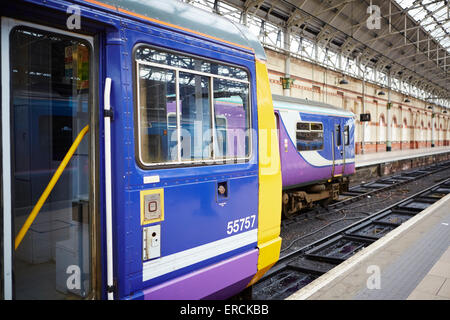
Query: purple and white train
[{"x": 317, "y": 151}]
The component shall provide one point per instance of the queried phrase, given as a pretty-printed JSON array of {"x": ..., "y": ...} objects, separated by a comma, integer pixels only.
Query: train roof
[
  {"x": 283, "y": 102},
  {"x": 190, "y": 18}
]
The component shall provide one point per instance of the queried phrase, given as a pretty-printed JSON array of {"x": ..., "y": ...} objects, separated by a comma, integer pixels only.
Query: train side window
[
  {"x": 190, "y": 110},
  {"x": 231, "y": 101},
  {"x": 156, "y": 100},
  {"x": 309, "y": 136},
  {"x": 347, "y": 135},
  {"x": 195, "y": 117}
]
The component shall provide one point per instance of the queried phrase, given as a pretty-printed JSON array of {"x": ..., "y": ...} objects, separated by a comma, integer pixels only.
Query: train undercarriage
[{"x": 306, "y": 197}]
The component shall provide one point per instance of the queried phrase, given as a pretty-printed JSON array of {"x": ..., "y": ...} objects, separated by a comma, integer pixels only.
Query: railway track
[
  {"x": 386, "y": 183},
  {"x": 300, "y": 267},
  {"x": 364, "y": 190}
]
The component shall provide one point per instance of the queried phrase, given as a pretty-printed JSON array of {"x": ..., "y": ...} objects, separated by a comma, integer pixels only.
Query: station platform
[
  {"x": 410, "y": 262},
  {"x": 379, "y": 164},
  {"x": 369, "y": 159}
]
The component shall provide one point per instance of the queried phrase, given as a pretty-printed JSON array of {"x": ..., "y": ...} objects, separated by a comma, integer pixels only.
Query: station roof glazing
[{"x": 433, "y": 16}]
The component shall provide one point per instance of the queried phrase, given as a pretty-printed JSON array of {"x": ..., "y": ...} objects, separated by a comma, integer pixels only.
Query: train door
[
  {"x": 197, "y": 178},
  {"x": 338, "y": 159},
  {"x": 47, "y": 98},
  {"x": 347, "y": 143}
]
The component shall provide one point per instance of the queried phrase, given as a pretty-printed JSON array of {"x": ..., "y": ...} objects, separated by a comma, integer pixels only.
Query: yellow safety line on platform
[{"x": 49, "y": 187}]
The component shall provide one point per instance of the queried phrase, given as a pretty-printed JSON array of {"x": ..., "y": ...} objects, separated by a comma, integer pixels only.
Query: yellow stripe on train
[{"x": 270, "y": 188}]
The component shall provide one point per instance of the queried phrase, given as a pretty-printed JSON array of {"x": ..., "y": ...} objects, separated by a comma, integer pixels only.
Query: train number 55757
[{"x": 241, "y": 224}]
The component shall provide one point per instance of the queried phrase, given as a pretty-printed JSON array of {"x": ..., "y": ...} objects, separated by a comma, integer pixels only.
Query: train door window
[
  {"x": 204, "y": 104},
  {"x": 338, "y": 135},
  {"x": 309, "y": 136},
  {"x": 230, "y": 102},
  {"x": 50, "y": 98},
  {"x": 347, "y": 135}
]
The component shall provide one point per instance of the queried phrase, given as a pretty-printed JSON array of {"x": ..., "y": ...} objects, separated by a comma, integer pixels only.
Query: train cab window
[
  {"x": 189, "y": 109},
  {"x": 347, "y": 135},
  {"x": 309, "y": 136}
]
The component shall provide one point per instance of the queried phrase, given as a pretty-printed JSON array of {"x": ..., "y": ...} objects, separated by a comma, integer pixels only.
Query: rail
[
  {"x": 297, "y": 269},
  {"x": 38, "y": 206}
]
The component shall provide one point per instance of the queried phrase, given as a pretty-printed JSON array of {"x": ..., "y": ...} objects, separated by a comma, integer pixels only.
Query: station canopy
[{"x": 410, "y": 45}]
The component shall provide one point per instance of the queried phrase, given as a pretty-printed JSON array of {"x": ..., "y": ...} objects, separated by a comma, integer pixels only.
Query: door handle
[{"x": 108, "y": 189}]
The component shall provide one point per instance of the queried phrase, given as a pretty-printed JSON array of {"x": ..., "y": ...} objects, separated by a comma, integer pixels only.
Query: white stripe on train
[{"x": 182, "y": 259}]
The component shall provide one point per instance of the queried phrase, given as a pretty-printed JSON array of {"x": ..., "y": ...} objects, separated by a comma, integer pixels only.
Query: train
[
  {"x": 317, "y": 152},
  {"x": 144, "y": 156}
]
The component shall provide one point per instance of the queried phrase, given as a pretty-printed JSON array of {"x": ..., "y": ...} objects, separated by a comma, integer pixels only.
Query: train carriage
[
  {"x": 317, "y": 151},
  {"x": 139, "y": 152}
]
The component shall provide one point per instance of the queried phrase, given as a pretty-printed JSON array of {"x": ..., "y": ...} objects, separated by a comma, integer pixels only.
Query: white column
[
  {"x": 433, "y": 115},
  {"x": 287, "y": 61},
  {"x": 364, "y": 124}
]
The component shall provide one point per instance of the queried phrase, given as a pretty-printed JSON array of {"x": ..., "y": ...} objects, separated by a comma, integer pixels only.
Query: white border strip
[
  {"x": 7, "y": 25},
  {"x": 307, "y": 291},
  {"x": 176, "y": 261}
]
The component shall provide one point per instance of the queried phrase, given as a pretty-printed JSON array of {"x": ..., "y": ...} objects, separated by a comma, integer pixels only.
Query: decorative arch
[
  {"x": 422, "y": 131},
  {"x": 394, "y": 128},
  {"x": 382, "y": 119}
]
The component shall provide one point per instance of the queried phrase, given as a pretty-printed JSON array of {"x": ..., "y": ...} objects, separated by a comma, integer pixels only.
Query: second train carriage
[{"x": 317, "y": 151}]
